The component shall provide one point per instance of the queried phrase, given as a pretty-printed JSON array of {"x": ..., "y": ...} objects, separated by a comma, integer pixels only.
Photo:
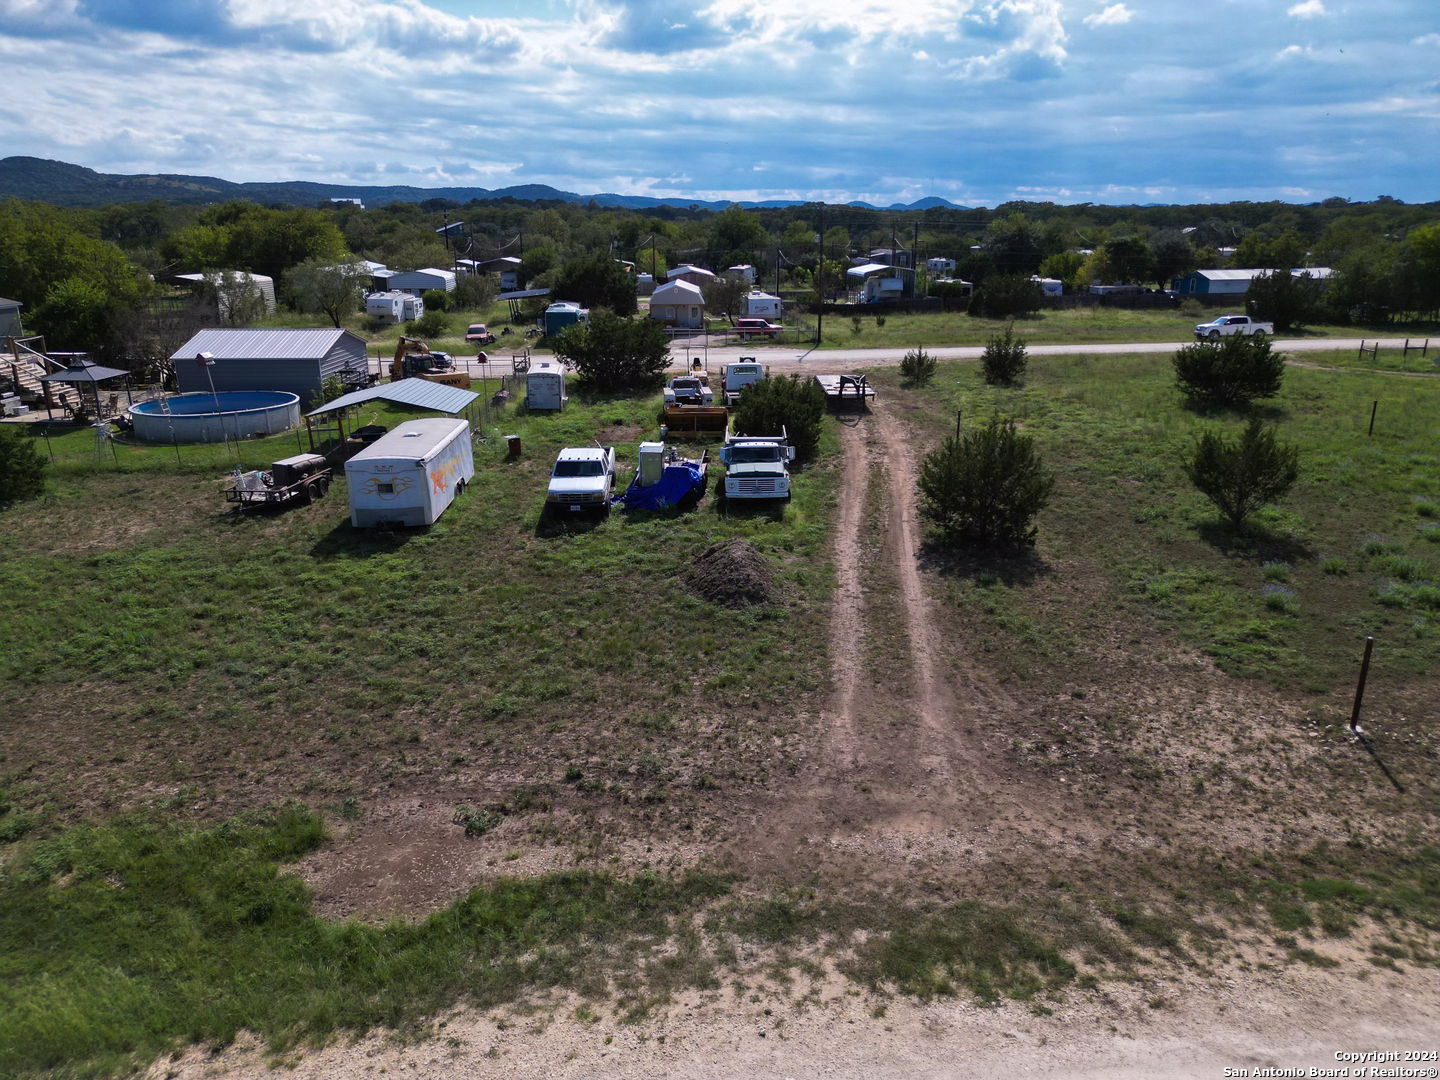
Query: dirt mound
[{"x": 733, "y": 574}]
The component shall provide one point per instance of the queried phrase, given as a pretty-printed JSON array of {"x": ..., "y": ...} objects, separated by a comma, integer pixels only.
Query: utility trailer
[
  {"x": 302, "y": 478},
  {"x": 409, "y": 476},
  {"x": 842, "y": 391},
  {"x": 545, "y": 387}
]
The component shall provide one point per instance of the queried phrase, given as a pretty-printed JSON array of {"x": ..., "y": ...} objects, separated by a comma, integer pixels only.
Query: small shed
[
  {"x": 507, "y": 266},
  {"x": 416, "y": 282},
  {"x": 744, "y": 270},
  {"x": 679, "y": 304},
  {"x": 940, "y": 266},
  {"x": 890, "y": 256},
  {"x": 265, "y": 286},
  {"x": 563, "y": 314},
  {"x": 10, "y": 318},
  {"x": 695, "y": 275},
  {"x": 1217, "y": 282},
  {"x": 878, "y": 281},
  {"x": 295, "y": 361}
]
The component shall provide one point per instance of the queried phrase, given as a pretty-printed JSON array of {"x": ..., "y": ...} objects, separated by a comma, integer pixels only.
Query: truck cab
[
  {"x": 688, "y": 390},
  {"x": 738, "y": 375},
  {"x": 757, "y": 467},
  {"x": 583, "y": 480}
]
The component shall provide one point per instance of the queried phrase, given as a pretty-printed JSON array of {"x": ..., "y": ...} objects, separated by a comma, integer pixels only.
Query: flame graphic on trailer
[
  {"x": 386, "y": 489},
  {"x": 410, "y": 475}
]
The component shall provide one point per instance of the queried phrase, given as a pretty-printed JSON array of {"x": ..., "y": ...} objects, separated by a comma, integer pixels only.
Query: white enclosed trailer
[
  {"x": 545, "y": 386},
  {"x": 410, "y": 475}
]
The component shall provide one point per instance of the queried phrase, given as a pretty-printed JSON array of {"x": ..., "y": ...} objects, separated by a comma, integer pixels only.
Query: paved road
[{"x": 790, "y": 358}]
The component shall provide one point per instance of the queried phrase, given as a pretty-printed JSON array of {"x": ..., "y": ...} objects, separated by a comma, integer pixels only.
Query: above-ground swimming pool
[{"x": 213, "y": 417}]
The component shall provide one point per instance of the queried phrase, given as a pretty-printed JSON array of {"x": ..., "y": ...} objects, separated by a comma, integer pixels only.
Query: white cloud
[
  {"x": 397, "y": 91},
  {"x": 1307, "y": 9},
  {"x": 1115, "y": 15}
]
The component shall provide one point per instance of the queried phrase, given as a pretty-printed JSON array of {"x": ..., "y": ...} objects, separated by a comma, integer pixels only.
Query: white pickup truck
[
  {"x": 738, "y": 375},
  {"x": 583, "y": 479},
  {"x": 1226, "y": 325},
  {"x": 757, "y": 466}
]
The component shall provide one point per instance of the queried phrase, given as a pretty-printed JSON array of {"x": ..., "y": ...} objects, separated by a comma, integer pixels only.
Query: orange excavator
[{"x": 414, "y": 360}]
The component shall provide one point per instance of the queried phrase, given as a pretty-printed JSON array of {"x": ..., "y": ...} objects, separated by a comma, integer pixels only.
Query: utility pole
[
  {"x": 820, "y": 280},
  {"x": 915, "y": 260}
]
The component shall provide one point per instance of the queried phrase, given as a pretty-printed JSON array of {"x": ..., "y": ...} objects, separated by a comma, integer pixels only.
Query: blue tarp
[{"x": 676, "y": 483}]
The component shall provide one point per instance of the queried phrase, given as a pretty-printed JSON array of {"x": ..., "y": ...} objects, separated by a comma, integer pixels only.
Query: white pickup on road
[{"x": 1226, "y": 325}]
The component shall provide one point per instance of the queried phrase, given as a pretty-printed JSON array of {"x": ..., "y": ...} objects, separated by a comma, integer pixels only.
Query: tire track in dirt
[
  {"x": 847, "y": 619},
  {"x": 933, "y": 700},
  {"x": 914, "y": 759}
]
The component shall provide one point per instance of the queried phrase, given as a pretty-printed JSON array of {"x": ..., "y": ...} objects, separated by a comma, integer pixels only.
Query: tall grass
[{"x": 118, "y": 942}]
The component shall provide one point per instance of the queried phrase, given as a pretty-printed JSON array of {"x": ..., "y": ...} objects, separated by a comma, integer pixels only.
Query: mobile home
[
  {"x": 410, "y": 475},
  {"x": 545, "y": 386}
]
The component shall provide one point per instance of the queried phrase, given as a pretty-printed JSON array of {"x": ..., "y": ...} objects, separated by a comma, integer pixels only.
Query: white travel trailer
[
  {"x": 764, "y": 304},
  {"x": 545, "y": 386},
  {"x": 385, "y": 307},
  {"x": 410, "y": 475}
]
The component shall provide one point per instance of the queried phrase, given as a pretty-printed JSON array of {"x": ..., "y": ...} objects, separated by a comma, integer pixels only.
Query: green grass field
[
  {"x": 190, "y": 700},
  {"x": 1072, "y": 326},
  {"x": 1354, "y": 550}
]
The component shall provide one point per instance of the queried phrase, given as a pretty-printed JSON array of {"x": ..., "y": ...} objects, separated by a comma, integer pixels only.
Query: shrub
[
  {"x": 1279, "y": 598},
  {"x": 596, "y": 280},
  {"x": 431, "y": 324},
  {"x": 796, "y": 404},
  {"x": 1007, "y": 297},
  {"x": 615, "y": 353},
  {"x": 1232, "y": 371},
  {"x": 1289, "y": 302},
  {"x": 917, "y": 367},
  {"x": 436, "y": 299},
  {"x": 22, "y": 468},
  {"x": 1335, "y": 566},
  {"x": 1242, "y": 476},
  {"x": 985, "y": 486},
  {"x": 856, "y": 325},
  {"x": 474, "y": 291},
  {"x": 879, "y": 320},
  {"x": 1004, "y": 359}
]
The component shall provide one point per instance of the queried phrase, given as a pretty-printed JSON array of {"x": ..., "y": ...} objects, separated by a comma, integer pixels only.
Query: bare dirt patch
[{"x": 1187, "y": 1026}]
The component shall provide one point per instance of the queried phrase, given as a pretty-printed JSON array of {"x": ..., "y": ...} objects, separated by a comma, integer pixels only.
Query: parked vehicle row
[{"x": 583, "y": 478}]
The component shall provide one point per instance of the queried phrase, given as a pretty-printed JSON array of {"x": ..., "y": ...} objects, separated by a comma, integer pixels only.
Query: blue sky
[{"x": 978, "y": 101}]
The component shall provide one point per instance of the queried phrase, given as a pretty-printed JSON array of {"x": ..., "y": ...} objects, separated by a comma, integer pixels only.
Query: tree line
[{"x": 85, "y": 275}]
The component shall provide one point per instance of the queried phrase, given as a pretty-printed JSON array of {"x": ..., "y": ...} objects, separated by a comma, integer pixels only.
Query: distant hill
[{"x": 64, "y": 184}]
